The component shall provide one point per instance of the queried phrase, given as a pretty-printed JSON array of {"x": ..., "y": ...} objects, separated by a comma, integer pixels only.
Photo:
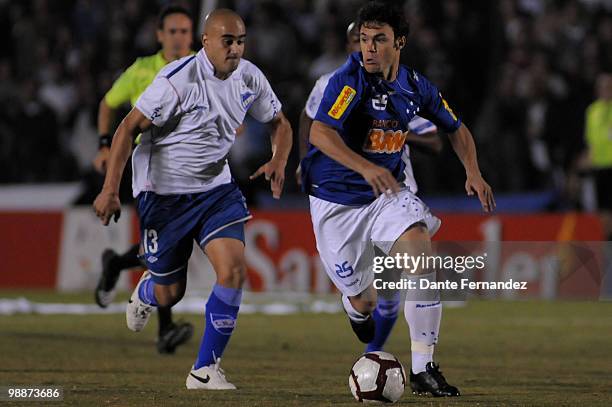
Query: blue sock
[
  {"x": 385, "y": 316},
  {"x": 221, "y": 313},
  {"x": 146, "y": 292}
]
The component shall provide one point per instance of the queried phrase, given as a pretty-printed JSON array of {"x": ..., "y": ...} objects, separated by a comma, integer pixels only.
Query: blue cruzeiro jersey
[{"x": 371, "y": 115}]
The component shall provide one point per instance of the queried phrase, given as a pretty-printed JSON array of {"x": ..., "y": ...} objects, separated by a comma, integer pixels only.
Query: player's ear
[
  {"x": 400, "y": 42},
  {"x": 204, "y": 38},
  {"x": 160, "y": 35}
]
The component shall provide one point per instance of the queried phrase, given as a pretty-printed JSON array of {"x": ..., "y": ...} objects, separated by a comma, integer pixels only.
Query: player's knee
[{"x": 232, "y": 275}]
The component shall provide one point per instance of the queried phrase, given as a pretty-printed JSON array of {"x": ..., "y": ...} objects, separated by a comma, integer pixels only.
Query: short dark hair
[
  {"x": 171, "y": 9},
  {"x": 384, "y": 13}
]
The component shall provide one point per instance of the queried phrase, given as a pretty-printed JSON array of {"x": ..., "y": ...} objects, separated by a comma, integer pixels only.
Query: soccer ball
[{"x": 377, "y": 377}]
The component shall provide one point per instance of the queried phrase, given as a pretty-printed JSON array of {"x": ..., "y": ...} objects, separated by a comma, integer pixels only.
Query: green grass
[{"x": 497, "y": 353}]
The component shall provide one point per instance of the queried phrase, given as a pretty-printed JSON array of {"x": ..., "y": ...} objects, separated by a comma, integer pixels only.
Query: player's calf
[
  {"x": 361, "y": 319},
  {"x": 169, "y": 295},
  {"x": 227, "y": 258},
  {"x": 384, "y": 316}
]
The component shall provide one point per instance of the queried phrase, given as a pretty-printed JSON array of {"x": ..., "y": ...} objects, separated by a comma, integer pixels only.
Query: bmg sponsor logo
[{"x": 384, "y": 141}]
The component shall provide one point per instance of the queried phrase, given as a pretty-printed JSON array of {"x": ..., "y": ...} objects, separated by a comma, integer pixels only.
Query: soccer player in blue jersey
[
  {"x": 353, "y": 173},
  {"x": 423, "y": 135},
  {"x": 185, "y": 191}
]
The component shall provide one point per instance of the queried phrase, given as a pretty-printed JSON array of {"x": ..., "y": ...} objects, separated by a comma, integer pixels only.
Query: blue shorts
[{"x": 170, "y": 223}]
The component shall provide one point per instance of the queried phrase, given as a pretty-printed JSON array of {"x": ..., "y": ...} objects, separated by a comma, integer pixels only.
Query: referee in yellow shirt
[
  {"x": 175, "y": 34},
  {"x": 598, "y": 133}
]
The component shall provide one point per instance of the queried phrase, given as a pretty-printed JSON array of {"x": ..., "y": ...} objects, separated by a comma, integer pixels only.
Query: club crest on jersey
[
  {"x": 342, "y": 102},
  {"x": 224, "y": 324},
  {"x": 384, "y": 141},
  {"x": 247, "y": 98},
  {"x": 379, "y": 102}
]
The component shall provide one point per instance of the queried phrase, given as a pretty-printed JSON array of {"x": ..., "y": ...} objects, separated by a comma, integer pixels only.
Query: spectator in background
[{"x": 38, "y": 152}]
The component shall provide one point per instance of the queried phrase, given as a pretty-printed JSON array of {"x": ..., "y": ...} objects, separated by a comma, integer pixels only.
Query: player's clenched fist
[
  {"x": 106, "y": 205},
  {"x": 380, "y": 179}
]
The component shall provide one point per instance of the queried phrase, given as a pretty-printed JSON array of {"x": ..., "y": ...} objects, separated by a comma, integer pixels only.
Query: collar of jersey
[{"x": 208, "y": 68}]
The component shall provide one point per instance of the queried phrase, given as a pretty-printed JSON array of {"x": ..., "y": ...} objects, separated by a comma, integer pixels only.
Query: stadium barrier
[{"x": 61, "y": 250}]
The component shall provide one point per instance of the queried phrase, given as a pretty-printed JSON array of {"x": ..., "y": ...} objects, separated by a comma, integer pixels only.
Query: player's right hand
[
  {"x": 107, "y": 205},
  {"x": 274, "y": 171},
  {"x": 381, "y": 180},
  {"x": 101, "y": 159}
]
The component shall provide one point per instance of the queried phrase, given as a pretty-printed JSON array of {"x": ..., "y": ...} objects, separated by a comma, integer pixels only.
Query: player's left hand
[
  {"x": 107, "y": 205},
  {"x": 274, "y": 171},
  {"x": 475, "y": 183}
]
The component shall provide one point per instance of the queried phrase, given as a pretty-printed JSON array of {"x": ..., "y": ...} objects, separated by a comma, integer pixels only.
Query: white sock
[
  {"x": 423, "y": 312},
  {"x": 352, "y": 313},
  {"x": 420, "y": 360}
]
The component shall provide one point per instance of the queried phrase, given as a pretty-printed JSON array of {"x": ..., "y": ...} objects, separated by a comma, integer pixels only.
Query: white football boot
[
  {"x": 137, "y": 312},
  {"x": 210, "y": 377}
]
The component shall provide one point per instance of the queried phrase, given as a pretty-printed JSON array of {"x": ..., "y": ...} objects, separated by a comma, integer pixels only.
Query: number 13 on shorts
[{"x": 149, "y": 241}]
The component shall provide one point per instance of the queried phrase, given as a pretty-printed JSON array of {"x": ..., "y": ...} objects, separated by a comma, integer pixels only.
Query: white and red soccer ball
[{"x": 377, "y": 377}]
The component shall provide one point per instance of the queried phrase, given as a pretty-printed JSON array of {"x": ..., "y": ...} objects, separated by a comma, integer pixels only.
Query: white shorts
[{"x": 348, "y": 235}]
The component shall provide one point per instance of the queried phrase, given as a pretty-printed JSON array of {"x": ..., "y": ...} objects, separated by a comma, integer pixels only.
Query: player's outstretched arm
[
  {"x": 282, "y": 140},
  {"x": 107, "y": 202},
  {"x": 327, "y": 139},
  {"x": 463, "y": 144}
]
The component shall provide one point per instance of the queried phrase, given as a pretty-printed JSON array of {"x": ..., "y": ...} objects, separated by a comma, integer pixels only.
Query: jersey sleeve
[
  {"x": 122, "y": 90},
  {"x": 419, "y": 125},
  {"x": 339, "y": 99},
  {"x": 266, "y": 105},
  {"x": 436, "y": 107},
  {"x": 314, "y": 99},
  {"x": 159, "y": 102}
]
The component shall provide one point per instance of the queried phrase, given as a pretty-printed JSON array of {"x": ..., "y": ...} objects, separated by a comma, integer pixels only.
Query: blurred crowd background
[{"x": 520, "y": 73}]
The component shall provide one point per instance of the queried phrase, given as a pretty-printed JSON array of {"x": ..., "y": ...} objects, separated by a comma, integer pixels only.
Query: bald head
[
  {"x": 223, "y": 41},
  {"x": 223, "y": 19}
]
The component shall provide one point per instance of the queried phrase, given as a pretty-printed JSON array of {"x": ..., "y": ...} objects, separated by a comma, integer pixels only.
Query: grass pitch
[{"x": 497, "y": 353}]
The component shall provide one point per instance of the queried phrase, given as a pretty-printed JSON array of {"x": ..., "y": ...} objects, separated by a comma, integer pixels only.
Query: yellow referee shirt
[
  {"x": 130, "y": 85},
  {"x": 598, "y": 133}
]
